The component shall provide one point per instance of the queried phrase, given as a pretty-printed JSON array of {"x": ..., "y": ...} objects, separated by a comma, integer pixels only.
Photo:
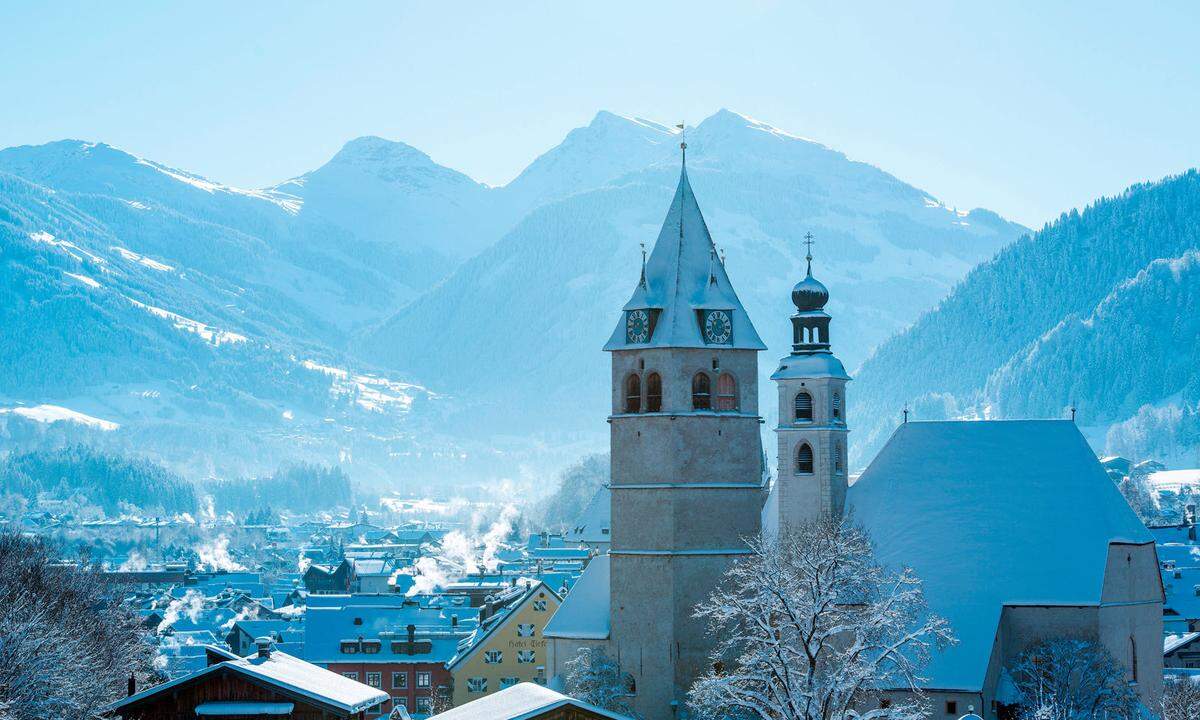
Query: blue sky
[{"x": 1025, "y": 109}]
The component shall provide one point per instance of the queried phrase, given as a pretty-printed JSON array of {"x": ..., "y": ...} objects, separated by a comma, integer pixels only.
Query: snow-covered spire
[{"x": 682, "y": 280}]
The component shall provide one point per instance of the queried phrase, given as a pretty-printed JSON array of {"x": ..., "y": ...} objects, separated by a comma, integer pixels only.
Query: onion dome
[{"x": 809, "y": 294}]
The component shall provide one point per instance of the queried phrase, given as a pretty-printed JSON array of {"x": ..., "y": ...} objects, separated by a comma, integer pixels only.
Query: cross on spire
[
  {"x": 683, "y": 141},
  {"x": 808, "y": 240}
]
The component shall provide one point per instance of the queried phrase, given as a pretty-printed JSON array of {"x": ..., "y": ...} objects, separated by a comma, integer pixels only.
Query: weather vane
[{"x": 683, "y": 140}]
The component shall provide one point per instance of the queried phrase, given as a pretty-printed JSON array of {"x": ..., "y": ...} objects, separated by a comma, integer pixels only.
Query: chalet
[
  {"x": 507, "y": 647},
  {"x": 1182, "y": 651},
  {"x": 268, "y": 683},
  {"x": 528, "y": 701},
  {"x": 326, "y": 579}
]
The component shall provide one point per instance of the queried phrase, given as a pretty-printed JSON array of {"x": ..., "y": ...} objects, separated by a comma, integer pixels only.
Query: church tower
[
  {"x": 811, "y": 478},
  {"x": 686, "y": 456}
]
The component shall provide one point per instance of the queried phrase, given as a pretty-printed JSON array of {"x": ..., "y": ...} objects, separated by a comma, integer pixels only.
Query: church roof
[
  {"x": 683, "y": 275},
  {"x": 584, "y": 613},
  {"x": 988, "y": 514},
  {"x": 810, "y": 365}
]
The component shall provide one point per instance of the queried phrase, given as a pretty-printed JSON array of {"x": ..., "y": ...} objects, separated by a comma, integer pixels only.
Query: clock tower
[
  {"x": 811, "y": 476},
  {"x": 687, "y": 472}
]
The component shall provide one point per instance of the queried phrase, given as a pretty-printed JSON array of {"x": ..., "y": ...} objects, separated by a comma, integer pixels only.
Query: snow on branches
[
  {"x": 595, "y": 678},
  {"x": 811, "y": 627},
  {"x": 1071, "y": 679}
]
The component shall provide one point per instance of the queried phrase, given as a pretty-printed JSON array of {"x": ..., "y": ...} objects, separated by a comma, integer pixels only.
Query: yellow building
[{"x": 507, "y": 648}]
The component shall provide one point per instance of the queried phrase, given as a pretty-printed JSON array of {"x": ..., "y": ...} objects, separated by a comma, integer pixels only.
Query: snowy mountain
[
  {"x": 1100, "y": 310},
  {"x": 521, "y": 324}
]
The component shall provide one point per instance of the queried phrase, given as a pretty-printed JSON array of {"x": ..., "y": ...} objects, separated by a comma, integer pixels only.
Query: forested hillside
[
  {"x": 108, "y": 481},
  {"x": 1098, "y": 309}
]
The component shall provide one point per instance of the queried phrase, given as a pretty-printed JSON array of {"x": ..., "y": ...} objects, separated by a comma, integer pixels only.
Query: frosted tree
[
  {"x": 1072, "y": 679},
  {"x": 810, "y": 626},
  {"x": 594, "y": 677},
  {"x": 67, "y": 646},
  {"x": 1181, "y": 699}
]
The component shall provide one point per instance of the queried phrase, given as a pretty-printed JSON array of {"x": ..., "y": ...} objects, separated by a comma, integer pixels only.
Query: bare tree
[
  {"x": 593, "y": 677},
  {"x": 1072, "y": 679},
  {"x": 811, "y": 627},
  {"x": 1181, "y": 699},
  {"x": 67, "y": 646}
]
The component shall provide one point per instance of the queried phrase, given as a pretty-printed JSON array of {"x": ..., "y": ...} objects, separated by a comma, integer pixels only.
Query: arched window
[
  {"x": 701, "y": 392},
  {"x": 653, "y": 393},
  {"x": 839, "y": 463},
  {"x": 803, "y": 407},
  {"x": 727, "y": 398},
  {"x": 837, "y": 406},
  {"x": 633, "y": 394},
  {"x": 804, "y": 459}
]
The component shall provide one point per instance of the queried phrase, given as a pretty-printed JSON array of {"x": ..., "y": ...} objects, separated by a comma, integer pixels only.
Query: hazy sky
[{"x": 1022, "y": 109}]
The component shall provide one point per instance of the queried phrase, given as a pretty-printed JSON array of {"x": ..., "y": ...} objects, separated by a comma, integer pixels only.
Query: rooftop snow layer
[
  {"x": 992, "y": 513},
  {"x": 584, "y": 612},
  {"x": 521, "y": 701}
]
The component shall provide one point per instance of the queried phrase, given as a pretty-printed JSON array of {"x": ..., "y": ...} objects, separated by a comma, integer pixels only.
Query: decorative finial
[
  {"x": 905, "y": 413},
  {"x": 643, "y": 280},
  {"x": 1072, "y": 411},
  {"x": 712, "y": 259},
  {"x": 683, "y": 141},
  {"x": 808, "y": 240},
  {"x": 722, "y": 257}
]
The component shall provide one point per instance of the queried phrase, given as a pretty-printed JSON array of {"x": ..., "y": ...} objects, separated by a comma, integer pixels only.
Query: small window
[
  {"x": 539, "y": 606},
  {"x": 804, "y": 459},
  {"x": 351, "y": 675},
  {"x": 525, "y": 630},
  {"x": 508, "y": 682},
  {"x": 349, "y": 647},
  {"x": 838, "y": 462},
  {"x": 727, "y": 398},
  {"x": 399, "y": 702},
  {"x": 525, "y": 657},
  {"x": 633, "y": 394},
  {"x": 837, "y": 406},
  {"x": 423, "y": 680},
  {"x": 400, "y": 680},
  {"x": 375, "y": 679},
  {"x": 371, "y": 647},
  {"x": 804, "y": 407},
  {"x": 951, "y": 707},
  {"x": 493, "y": 657},
  {"x": 425, "y": 704},
  {"x": 653, "y": 393},
  {"x": 701, "y": 392}
]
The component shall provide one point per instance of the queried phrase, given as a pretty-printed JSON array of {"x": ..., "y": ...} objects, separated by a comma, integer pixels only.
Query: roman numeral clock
[
  {"x": 639, "y": 326},
  {"x": 717, "y": 326}
]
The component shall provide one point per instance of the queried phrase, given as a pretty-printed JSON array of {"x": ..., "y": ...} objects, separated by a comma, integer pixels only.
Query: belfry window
[
  {"x": 701, "y": 392},
  {"x": 653, "y": 393},
  {"x": 804, "y": 459},
  {"x": 727, "y": 398},
  {"x": 837, "y": 406},
  {"x": 804, "y": 407},
  {"x": 633, "y": 394}
]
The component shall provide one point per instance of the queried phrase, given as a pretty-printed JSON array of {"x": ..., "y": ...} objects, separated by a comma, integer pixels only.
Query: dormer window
[
  {"x": 804, "y": 407},
  {"x": 701, "y": 392}
]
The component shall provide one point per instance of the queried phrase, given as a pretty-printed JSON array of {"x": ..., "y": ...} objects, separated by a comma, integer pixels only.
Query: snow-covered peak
[{"x": 373, "y": 150}]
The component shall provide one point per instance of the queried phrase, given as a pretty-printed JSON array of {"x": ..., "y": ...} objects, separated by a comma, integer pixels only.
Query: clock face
[
  {"x": 637, "y": 327},
  {"x": 718, "y": 327}
]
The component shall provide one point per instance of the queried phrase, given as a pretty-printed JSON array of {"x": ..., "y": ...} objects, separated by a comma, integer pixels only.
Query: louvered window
[
  {"x": 804, "y": 459},
  {"x": 804, "y": 407}
]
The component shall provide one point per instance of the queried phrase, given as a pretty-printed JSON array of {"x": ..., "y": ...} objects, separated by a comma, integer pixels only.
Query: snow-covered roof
[
  {"x": 595, "y": 522},
  {"x": 327, "y": 627},
  {"x": 683, "y": 275},
  {"x": 810, "y": 365},
  {"x": 988, "y": 514},
  {"x": 289, "y": 674},
  {"x": 519, "y": 702},
  {"x": 1174, "y": 480},
  {"x": 584, "y": 612},
  {"x": 1171, "y": 643}
]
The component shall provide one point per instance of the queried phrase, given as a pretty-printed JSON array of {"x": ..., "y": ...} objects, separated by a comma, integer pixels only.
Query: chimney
[
  {"x": 264, "y": 646},
  {"x": 454, "y": 621},
  {"x": 412, "y": 633},
  {"x": 132, "y": 684}
]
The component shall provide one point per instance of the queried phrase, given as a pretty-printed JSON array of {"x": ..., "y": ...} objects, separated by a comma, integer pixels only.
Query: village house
[
  {"x": 507, "y": 647},
  {"x": 269, "y": 683}
]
